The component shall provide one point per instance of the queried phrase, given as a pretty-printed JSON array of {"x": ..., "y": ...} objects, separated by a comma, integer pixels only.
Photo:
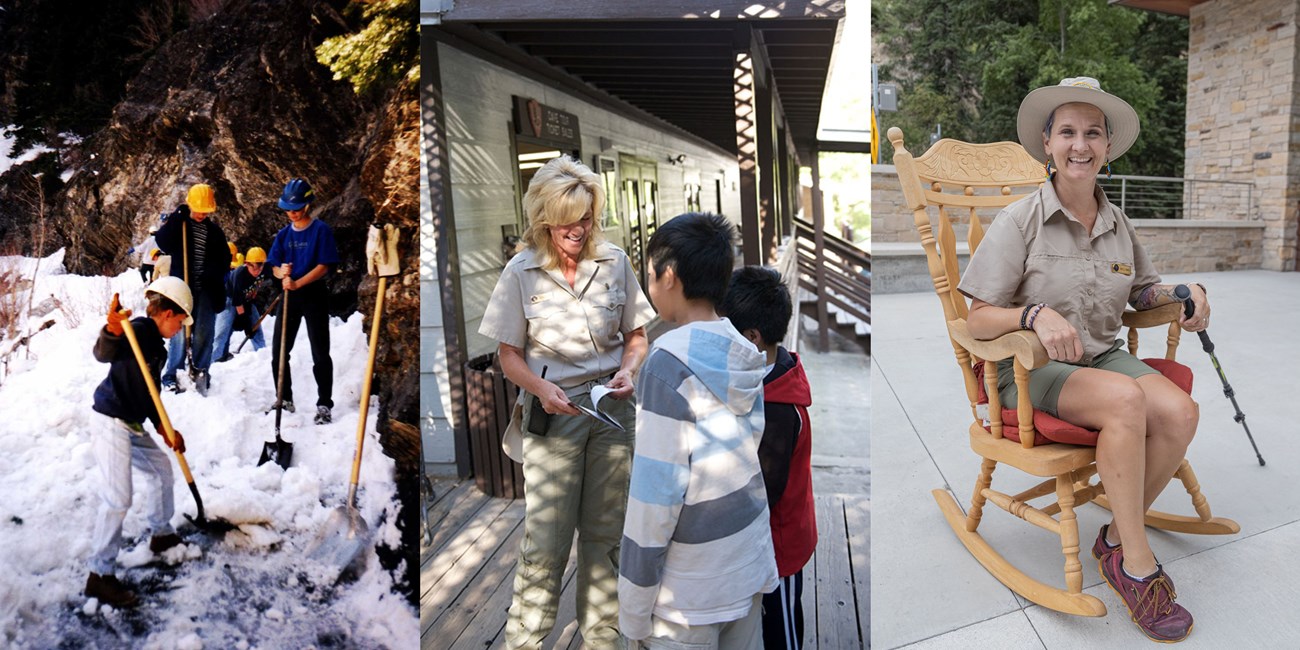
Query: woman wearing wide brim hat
[{"x": 1063, "y": 262}]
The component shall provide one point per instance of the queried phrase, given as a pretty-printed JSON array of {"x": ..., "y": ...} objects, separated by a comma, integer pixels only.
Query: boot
[
  {"x": 323, "y": 415},
  {"x": 202, "y": 381},
  {"x": 160, "y": 543},
  {"x": 110, "y": 591}
]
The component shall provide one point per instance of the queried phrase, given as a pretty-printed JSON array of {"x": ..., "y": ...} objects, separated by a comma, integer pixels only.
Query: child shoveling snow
[{"x": 123, "y": 400}]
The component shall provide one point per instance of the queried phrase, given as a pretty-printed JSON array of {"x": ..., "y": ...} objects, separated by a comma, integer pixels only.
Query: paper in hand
[{"x": 597, "y": 393}]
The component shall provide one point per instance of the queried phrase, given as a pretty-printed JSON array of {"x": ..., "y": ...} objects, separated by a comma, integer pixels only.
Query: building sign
[{"x": 550, "y": 125}]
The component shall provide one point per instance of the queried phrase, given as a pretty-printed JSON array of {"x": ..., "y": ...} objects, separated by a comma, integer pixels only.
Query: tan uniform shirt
[
  {"x": 575, "y": 332},
  {"x": 1036, "y": 251}
]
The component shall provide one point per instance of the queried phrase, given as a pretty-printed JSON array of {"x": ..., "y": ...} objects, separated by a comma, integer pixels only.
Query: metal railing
[{"x": 1159, "y": 197}]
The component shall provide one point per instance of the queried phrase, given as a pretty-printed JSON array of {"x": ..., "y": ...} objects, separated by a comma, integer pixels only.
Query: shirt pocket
[
  {"x": 1113, "y": 287},
  {"x": 607, "y": 312},
  {"x": 546, "y": 322}
]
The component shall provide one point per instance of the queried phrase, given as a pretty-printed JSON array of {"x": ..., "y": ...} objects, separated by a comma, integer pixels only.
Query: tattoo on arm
[{"x": 1154, "y": 296}]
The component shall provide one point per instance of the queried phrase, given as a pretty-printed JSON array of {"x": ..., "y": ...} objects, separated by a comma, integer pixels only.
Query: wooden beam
[
  {"x": 745, "y": 91},
  {"x": 693, "y": 51},
  {"x": 819, "y": 248},
  {"x": 665, "y": 10},
  {"x": 437, "y": 171}
]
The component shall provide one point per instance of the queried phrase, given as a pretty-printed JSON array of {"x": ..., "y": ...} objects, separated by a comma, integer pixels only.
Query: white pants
[
  {"x": 741, "y": 634},
  {"x": 117, "y": 448}
]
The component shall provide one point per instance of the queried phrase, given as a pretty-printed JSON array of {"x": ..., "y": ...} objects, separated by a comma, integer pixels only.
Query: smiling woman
[{"x": 569, "y": 316}]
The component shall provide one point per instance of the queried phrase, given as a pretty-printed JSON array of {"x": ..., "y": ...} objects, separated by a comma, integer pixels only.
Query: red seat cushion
[{"x": 1053, "y": 429}]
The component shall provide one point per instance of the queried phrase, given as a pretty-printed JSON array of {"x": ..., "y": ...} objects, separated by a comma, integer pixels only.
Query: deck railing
[
  {"x": 836, "y": 272},
  {"x": 1159, "y": 197}
]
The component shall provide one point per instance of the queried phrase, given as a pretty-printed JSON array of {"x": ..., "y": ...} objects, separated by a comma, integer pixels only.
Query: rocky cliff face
[{"x": 237, "y": 100}]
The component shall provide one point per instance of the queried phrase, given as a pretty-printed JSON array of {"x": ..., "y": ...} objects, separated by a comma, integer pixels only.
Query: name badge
[
  {"x": 1123, "y": 269},
  {"x": 541, "y": 297}
]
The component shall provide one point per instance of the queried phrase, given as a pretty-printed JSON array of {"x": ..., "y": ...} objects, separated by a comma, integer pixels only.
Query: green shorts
[{"x": 1045, "y": 383}]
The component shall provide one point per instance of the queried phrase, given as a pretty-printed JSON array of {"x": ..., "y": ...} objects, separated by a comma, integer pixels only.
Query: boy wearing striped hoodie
[{"x": 697, "y": 554}]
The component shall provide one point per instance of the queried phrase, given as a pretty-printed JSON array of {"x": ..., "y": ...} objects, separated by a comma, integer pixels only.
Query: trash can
[{"x": 490, "y": 397}]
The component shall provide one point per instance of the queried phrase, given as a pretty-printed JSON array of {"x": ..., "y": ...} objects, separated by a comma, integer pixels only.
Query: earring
[
  {"x": 1047, "y": 169},
  {"x": 1108, "y": 169}
]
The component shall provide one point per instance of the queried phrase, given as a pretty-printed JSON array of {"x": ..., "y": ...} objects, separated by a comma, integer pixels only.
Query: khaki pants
[
  {"x": 741, "y": 634},
  {"x": 575, "y": 478}
]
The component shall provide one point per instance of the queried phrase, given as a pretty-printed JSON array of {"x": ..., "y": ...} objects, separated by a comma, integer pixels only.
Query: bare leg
[
  {"x": 1115, "y": 405},
  {"x": 1172, "y": 417}
]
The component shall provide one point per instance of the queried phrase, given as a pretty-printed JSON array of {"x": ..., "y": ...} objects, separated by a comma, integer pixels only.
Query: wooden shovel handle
[
  {"x": 129, "y": 329},
  {"x": 365, "y": 391}
]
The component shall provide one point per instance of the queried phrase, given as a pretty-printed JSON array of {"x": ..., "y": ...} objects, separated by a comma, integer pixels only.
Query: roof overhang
[
  {"x": 1176, "y": 7},
  {"x": 669, "y": 60}
]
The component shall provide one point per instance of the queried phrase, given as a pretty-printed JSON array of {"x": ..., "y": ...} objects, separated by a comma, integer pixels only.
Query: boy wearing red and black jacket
[{"x": 759, "y": 306}]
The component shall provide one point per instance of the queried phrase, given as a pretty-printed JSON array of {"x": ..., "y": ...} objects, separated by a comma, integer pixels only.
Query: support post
[
  {"x": 437, "y": 164},
  {"x": 819, "y": 254},
  {"x": 744, "y": 89}
]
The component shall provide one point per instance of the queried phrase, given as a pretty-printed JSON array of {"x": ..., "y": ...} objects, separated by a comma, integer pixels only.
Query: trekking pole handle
[{"x": 1184, "y": 295}]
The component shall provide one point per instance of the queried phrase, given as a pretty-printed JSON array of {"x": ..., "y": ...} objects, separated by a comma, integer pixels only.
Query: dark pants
[
  {"x": 783, "y": 614},
  {"x": 146, "y": 272},
  {"x": 308, "y": 304}
]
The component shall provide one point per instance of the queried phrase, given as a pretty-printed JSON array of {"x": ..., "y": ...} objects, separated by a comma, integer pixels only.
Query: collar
[
  {"x": 587, "y": 267},
  {"x": 1106, "y": 211}
]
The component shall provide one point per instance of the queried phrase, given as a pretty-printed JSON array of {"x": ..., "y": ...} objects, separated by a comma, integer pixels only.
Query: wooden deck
[{"x": 468, "y": 566}]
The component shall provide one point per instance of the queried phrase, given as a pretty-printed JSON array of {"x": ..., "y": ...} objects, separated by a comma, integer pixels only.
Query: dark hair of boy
[
  {"x": 697, "y": 246},
  {"x": 759, "y": 300},
  {"x": 159, "y": 303}
]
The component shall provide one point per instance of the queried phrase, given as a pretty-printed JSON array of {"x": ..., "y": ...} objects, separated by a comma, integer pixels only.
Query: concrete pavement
[{"x": 928, "y": 592}]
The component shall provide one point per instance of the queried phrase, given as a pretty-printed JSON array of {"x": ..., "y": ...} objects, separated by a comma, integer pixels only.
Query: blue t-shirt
[{"x": 304, "y": 249}]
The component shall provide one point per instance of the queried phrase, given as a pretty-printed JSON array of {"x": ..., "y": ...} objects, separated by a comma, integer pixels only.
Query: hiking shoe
[
  {"x": 1150, "y": 601},
  {"x": 110, "y": 591},
  {"x": 160, "y": 543},
  {"x": 202, "y": 382},
  {"x": 171, "y": 385},
  {"x": 286, "y": 405},
  {"x": 1101, "y": 547},
  {"x": 225, "y": 357},
  {"x": 323, "y": 415}
]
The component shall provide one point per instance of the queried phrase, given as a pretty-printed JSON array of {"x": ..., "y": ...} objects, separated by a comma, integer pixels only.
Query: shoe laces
[{"x": 1151, "y": 601}]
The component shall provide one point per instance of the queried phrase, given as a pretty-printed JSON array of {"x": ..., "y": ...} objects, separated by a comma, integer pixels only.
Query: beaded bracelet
[
  {"x": 1034, "y": 316},
  {"x": 1023, "y": 314}
]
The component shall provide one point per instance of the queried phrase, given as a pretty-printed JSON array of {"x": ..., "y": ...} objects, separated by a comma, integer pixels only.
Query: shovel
[
  {"x": 253, "y": 329},
  {"x": 346, "y": 534},
  {"x": 279, "y": 452},
  {"x": 216, "y": 525}
]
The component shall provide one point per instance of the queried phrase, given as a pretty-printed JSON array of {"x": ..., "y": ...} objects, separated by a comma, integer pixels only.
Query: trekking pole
[{"x": 1183, "y": 294}]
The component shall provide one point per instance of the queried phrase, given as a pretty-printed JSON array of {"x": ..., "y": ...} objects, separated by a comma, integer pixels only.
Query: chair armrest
[
  {"x": 1022, "y": 344},
  {"x": 1161, "y": 315}
]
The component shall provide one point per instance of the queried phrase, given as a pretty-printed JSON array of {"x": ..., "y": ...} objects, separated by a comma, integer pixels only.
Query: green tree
[
  {"x": 385, "y": 50},
  {"x": 1025, "y": 44}
]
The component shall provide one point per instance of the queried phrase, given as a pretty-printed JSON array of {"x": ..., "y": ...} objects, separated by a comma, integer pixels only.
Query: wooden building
[{"x": 680, "y": 106}]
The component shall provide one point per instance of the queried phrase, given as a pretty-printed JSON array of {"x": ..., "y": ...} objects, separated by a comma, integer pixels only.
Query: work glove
[
  {"x": 381, "y": 250},
  {"x": 117, "y": 316},
  {"x": 177, "y": 442},
  {"x": 130, "y": 251},
  {"x": 243, "y": 322}
]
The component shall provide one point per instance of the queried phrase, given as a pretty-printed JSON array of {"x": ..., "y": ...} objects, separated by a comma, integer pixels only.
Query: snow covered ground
[{"x": 253, "y": 589}]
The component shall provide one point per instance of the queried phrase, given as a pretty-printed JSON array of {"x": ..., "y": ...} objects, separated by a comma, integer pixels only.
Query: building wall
[
  {"x": 1241, "y": 100},
  {"x": 435, "y": 402},
  {"x": 1175, "y": 245}
]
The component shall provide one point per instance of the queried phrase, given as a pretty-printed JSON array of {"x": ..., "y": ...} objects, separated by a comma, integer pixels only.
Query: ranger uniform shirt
[
  {"x": 575, "y": 332},
  {"x": 1036, "y": 251}
]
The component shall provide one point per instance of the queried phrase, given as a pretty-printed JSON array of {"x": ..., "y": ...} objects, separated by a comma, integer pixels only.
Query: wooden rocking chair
[{"x": 997, "y": 169}]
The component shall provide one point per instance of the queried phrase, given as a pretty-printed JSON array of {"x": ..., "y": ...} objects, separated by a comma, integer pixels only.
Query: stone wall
[
  {"x": 1241, "y": 96},
  {"x": 1175, "y": 245}
]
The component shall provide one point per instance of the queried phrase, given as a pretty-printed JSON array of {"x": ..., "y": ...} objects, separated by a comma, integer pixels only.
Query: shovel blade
[
  {"x": 342, "y": 540},
  {"x": 278, "y": 452}
]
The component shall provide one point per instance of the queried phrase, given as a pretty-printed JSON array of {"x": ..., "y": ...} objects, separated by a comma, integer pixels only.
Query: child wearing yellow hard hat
[{"x": 245, "y": 286}]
